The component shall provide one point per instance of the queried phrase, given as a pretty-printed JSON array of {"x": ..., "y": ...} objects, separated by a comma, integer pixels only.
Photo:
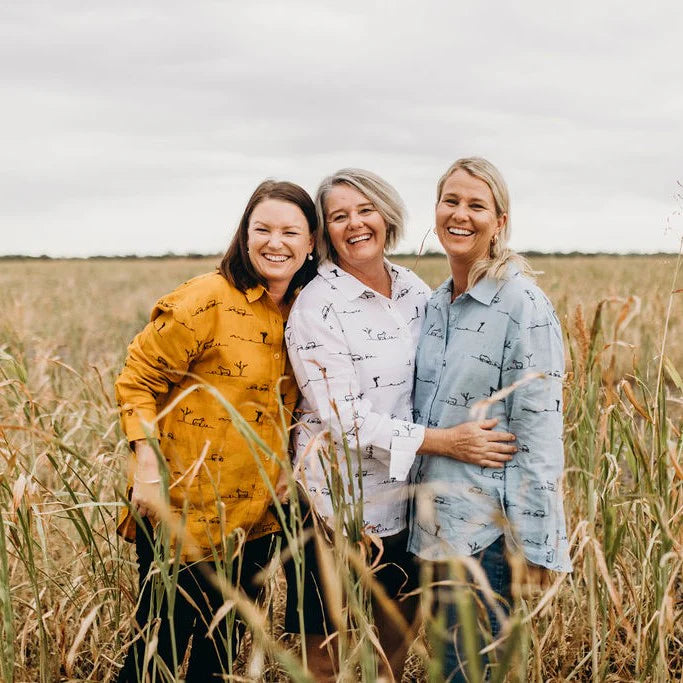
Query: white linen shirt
[{"x": 353, "y": 354}]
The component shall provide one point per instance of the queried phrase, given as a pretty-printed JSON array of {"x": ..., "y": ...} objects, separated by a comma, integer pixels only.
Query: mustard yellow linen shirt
[{"x": 210, "y": 332}]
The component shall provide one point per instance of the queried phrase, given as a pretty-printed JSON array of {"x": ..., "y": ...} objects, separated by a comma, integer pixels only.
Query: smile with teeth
[
  {"x": 359, "y": 238},
  {"x": 460, "y": 231},
  {"x": 275, "y": 258}
]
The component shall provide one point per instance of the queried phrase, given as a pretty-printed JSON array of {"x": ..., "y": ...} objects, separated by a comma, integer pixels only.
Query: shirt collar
[
  {"x": 347, "y": 284},
  {"x": 486, "y": 289},
  {"x": 254, "y": 293}
]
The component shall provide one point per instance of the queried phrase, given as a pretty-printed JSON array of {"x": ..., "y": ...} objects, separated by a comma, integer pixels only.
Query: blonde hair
[
  {"x": 382, "y": 195},
  {"x": 500, "y": 255}
]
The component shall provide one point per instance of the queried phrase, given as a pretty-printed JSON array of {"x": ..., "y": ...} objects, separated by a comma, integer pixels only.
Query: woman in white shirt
[{"x": 351, "y": 337}]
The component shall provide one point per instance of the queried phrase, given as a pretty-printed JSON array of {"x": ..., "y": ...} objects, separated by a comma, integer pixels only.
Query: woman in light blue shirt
[{"x": 486, "y": 328}]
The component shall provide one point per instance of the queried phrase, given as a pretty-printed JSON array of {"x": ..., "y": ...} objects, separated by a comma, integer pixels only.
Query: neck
[
  {"x": 373, "y": 275},
  {"x": 459, "y": 273},
  {"x": 277, "y": 291}
]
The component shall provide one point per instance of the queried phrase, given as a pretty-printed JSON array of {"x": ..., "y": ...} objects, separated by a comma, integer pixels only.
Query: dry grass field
[{"x": 67, "y": 583}]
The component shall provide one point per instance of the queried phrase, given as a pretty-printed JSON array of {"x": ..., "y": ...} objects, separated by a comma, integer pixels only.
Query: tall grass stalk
[{"x": 619, "y": 616}]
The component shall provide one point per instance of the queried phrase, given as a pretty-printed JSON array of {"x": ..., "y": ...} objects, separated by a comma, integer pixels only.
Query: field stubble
[{"x": 67, "y": 583}]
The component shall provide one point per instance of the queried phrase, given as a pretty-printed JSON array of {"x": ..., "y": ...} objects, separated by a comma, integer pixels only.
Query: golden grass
[{"x": 67, "y": 584}]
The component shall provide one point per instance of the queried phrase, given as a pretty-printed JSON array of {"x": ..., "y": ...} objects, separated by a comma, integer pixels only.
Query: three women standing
[
  {"x": 352, "y": 338},
  {"x": 225, "y": 330}
]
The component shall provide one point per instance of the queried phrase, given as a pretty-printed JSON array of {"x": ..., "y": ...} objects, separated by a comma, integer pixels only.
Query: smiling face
[
  {"x": 466, "y": 219},
  {"x": 356, "y": 229},
  {"x": 279, "y": 240}
]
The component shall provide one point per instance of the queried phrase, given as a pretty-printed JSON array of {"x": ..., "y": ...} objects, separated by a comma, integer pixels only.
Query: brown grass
[{"x": 67, "y": 584}]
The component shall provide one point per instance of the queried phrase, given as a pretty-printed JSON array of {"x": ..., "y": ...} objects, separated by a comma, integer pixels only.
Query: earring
[
  {"x": 310, "y": 257},
  {"x": 434, "y": 230},
  {"x": 494, "y": 240}
]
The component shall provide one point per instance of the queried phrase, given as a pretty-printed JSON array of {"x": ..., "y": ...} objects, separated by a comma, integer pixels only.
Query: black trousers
[{"x": 174, "y": 618}]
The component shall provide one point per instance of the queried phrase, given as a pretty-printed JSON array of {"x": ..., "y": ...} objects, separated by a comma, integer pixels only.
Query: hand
[
  {"x": 282, "y": 486},
  {"x": 535, "y": 581},
  {"x": 146, "y": 498},
  {"x": 472, "y": 442}
]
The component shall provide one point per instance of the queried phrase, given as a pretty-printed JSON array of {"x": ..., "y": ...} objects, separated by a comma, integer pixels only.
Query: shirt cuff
[
  {"x": 407, "y": 438},
  {"x": 132, "y": 424}
]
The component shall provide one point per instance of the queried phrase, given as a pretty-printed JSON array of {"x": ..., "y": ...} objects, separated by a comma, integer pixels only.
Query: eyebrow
[
  {"x": 362, "y": 205},
  {"x": 268, "y": 225},
  {"x": 456, "y": 195}
]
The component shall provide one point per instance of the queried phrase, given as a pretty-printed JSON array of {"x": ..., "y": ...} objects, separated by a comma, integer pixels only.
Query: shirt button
[{"x": 276, "y": 356}]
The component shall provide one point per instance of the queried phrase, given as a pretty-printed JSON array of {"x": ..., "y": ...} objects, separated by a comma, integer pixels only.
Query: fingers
[
  {"x": 496, "y": 455},
  {"x": 497, "y": 447},
  {"x": 500, "y": 436},
  {"x": 489, "y": 423},
  {"x": 536, "y": 581},
  {"x": 145, "y": 510},
  {"x": 145, "y": 507},
  {"x": 494, "y": 460},
  {"x": 492, "y": 464}
]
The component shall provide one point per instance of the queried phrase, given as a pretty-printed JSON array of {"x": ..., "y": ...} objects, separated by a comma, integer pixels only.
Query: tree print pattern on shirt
[
  {"x": 355, "y": 347},
  {"x": 207, "y": 331},
  {"x": 455, "y": 367}
]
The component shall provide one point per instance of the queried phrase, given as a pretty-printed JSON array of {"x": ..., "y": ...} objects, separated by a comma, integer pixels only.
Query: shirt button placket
[{"x": 446, "y": 321}]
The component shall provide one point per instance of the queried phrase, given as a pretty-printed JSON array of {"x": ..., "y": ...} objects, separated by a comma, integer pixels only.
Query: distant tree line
[{"x": 426, "y": 254}]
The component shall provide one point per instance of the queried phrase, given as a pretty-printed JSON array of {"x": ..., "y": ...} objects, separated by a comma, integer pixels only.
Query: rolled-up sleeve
[
  {"x": 533, "y": 481},
  {"x": 327, "y": 377}
]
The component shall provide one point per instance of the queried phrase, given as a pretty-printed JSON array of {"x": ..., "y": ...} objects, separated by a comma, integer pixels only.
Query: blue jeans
[{"x": 497, "y": 570}]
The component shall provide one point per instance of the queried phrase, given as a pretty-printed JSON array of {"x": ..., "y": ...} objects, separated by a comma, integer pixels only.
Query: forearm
[
  {"x": 146, "y": 497},
  {"x": 434, "y": 442},
  {"x": 147, "y": 463},
  {"x": 471, "y": 442},
  {"x": 451, "y": 442}
]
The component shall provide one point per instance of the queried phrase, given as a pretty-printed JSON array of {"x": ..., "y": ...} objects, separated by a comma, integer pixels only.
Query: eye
[
  {"x": 366, "y": 210},
  {"x": 338, "y": 218},
  {"x": 450, "y": 202},
  {"x": 478, "y": 207},
  {"x": 260, "y": 229}
]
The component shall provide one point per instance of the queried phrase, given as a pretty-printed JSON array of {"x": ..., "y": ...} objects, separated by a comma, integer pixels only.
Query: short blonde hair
[
  {"x": 383, "y": 196},
  {"x": 500, "y": 255}
]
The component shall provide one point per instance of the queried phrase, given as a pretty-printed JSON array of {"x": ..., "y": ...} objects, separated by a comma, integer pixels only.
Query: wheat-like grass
[{"x": 68, "y": 584}]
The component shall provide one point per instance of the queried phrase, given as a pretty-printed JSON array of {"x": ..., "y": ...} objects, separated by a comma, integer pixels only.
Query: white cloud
[{"x": 144, "y": 126}]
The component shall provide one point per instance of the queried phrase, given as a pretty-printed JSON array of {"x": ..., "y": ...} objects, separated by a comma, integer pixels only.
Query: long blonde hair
[{"x": 500, "y": 255}]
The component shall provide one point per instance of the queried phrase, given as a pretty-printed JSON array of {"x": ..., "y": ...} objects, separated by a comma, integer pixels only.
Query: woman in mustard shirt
[{"x": 223, "y": 329}]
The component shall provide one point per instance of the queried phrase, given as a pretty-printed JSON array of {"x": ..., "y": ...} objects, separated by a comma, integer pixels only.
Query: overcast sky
[{"x": 142, "y": 127}]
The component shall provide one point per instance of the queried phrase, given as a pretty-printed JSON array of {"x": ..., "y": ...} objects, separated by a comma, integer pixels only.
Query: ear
[{"x": 502, "y": 222}]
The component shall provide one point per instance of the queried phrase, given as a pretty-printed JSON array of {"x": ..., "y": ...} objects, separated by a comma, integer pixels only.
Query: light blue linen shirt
[{"x": 491, "y": 336}]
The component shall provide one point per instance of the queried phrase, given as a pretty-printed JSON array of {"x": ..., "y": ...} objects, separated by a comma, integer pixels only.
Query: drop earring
[{"x": 310, "y": 257}]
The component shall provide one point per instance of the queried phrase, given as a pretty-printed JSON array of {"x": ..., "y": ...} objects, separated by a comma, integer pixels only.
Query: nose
[
  {"x": 460, "y": 212},
  {"x": 355, "y": 219},
  {"x": 275, "y": 239}
]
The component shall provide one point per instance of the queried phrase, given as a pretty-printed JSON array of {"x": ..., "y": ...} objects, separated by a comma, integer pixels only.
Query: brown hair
[{"x": 236, "y": 266}]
